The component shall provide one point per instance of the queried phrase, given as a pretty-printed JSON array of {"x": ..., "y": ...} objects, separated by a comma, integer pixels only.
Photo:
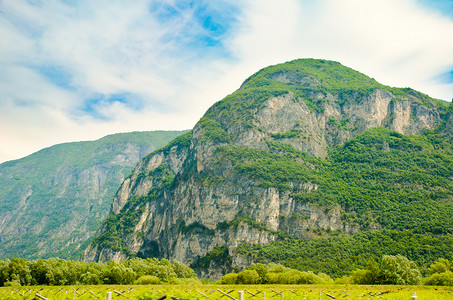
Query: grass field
[{"x": 219, "y": 292}]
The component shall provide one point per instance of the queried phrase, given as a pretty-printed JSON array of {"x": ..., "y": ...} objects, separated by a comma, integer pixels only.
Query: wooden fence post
[
  {"x": 109, "y": 295},
  {"x": 241, "y": 295}
]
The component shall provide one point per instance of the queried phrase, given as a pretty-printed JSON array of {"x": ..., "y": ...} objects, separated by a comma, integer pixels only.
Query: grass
[{"x": 212, "y": 292}]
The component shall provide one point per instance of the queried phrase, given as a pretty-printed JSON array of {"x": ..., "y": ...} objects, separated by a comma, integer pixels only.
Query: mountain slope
[
  {"x": 52, "y": 201},
  {"x": 301, "y": 148}
]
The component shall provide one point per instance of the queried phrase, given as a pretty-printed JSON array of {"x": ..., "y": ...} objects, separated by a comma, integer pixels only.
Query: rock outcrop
[
  {"x": 204, "y": 191},
  {"x": 53, "y": 201}
]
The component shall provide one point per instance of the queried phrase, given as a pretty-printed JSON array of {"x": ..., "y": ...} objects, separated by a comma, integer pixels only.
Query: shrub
[
  {"x": 344, "y": 280},
  {"x": 445, "y": 278},
  {"x": 12, "y": 283},
  {"x": 440, "y": 266},
  {"x": 248, "y": 277},
  {"x": 230, "y": 278},
  {"x": 362, "y": 277},
  {"x": 272, "y": 278},
  {"x": 148, "y": 279}
]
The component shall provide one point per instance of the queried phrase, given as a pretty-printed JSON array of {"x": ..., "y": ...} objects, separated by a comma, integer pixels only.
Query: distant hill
[
  {"x": 52, "y": 201},
  {"x": 309, "y": 163}
]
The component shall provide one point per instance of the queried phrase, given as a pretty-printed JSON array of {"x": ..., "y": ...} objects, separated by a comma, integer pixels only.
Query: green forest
[{"x": 389, "y": 269}]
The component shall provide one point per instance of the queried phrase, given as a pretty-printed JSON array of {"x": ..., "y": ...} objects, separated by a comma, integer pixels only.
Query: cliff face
[
  {"x": 239, "y": 175},
  {"x": 53, "y": 201}
]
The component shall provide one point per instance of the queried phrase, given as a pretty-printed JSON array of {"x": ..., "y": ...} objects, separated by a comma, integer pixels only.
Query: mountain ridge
[
  {"x": 257, "y": 168},
  {"x": 52, "y": 201}
]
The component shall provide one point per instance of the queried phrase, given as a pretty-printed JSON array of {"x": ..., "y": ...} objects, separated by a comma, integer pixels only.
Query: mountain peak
[
  {"x": 310, "y": 73},
  {"x": 266, "y": 163}
]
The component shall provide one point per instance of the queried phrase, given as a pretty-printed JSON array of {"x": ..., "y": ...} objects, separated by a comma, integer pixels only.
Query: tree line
[
  {"x": 396, "y": 270},
  {"x": 389, "y": 270},
  {"x": 54, "y": 271}
]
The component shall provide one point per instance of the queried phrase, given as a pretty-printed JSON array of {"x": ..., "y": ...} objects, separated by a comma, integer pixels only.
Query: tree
[
  {"x": 119, "y": 274},
  {"x": 4, "y": 271},
  {"x": 248, "y": 277},
  {"x": 369, "y": 276},
  {"x": 182, "y": 271},
  {"x": 445, "y": 279},
  {"x": 19, "y": 270},
  {"x": 399, "y": 270},
  {"x": 230, "y": 278},
  {"x": 440, "y": 266},
  {"x": 261, "y": 270}
]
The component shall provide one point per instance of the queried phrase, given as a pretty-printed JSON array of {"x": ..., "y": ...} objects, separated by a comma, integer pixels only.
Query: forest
[{"x": 397, "y": 270}]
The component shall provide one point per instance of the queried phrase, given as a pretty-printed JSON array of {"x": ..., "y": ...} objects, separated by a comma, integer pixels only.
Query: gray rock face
[
  {"x": 209, "y": 205},
  {"x": 53, "y": 201}
]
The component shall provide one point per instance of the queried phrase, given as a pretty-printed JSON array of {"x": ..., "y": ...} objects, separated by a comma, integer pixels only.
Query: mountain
[
  {"x": 54, "y": 200},
  {"x": 309, "y": 163}
]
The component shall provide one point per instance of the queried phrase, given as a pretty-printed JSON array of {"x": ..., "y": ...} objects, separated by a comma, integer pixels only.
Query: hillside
[
  {"x": 52, "y": 201},
  {"x": 303, "y": 152}
]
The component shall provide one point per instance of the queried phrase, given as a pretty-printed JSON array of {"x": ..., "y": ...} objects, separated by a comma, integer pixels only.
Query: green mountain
[
  {"x": 52, "y": 201},
  {"x": 309, "y": 163}
]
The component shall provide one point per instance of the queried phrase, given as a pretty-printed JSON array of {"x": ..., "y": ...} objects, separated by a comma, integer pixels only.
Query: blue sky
[{"x": 79, "y": 70}]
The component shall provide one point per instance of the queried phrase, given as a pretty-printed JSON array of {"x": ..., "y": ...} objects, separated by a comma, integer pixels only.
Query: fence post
[
  {"x": 264, "y": 295},
  {"x": 109, "y": 295},
  {"x": 241, "y": 295}
]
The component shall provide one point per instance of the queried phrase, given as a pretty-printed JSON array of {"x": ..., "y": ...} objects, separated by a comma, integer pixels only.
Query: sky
[{"x": 79, "y": 70}]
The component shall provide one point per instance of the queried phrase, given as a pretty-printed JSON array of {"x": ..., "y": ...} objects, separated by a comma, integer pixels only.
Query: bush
[
  {"x": 12, "y": 283},
  {"x": 445, "y": 279},
  {"x": 310, "y": 278},
  {"x": 344, "y": 280},
  {"x": 148, "y": 279},
  {"x": 326, "y": 278},
  {"x": 290, "y": 277},
  {"x": 248, "y": 277},
  {"x": 440, "y": 266},
  {"x": 362, "y": 277},
  {"x": 230, "y": 278},
  {"x": 273, "y": 278}
]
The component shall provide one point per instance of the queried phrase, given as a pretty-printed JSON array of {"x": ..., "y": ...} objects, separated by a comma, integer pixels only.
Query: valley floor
[{"x": 213, "y": 292}]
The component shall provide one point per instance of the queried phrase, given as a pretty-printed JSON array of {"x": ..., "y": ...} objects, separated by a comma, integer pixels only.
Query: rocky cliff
[
  {"x": 251, "y": 170},
  {"x": 53, "y": 201}
]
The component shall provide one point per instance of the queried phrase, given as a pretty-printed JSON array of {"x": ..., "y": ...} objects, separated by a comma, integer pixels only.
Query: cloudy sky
[{"x": 78, "y": 70}]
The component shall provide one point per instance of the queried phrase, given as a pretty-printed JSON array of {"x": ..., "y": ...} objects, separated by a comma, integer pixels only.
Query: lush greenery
[
  {"x": 274, "y": 274},
  {"x": 392, "y": 270},
  {"x": 393, "y": 192},
  {"x": 380, "y": 178},
  {"x": 441, "y": 273},
  {"x": 53, "y": 271},
  {"x": 305, "y": 79},
  {"x": 52, "y": 200},
  {"x": 214, "y": 292},
  {"x": 339, "y": 254}
]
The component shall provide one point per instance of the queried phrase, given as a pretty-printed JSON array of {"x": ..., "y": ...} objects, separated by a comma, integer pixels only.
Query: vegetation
[
  {"x": 53, "y": 271},
  {"x": 274, "y": 274},
  {"x": 380, "y": 178},
  {"x": 394, "y": 190},
  {"x": 214, "y": 292},
  {"x": 339, "y": 254},
  {"x": 60, "y": 187},
  {"x": 441, "y": 273},
  {"x": 115, "y": 226},
  {"x": 304, "y": 78},
  {"x": 392, "y": 270}
]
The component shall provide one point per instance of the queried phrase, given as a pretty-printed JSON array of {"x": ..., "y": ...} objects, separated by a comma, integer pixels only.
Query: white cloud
[
  {"x": 102, "y": 48},
  {"x": 400, "y": 43}
]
